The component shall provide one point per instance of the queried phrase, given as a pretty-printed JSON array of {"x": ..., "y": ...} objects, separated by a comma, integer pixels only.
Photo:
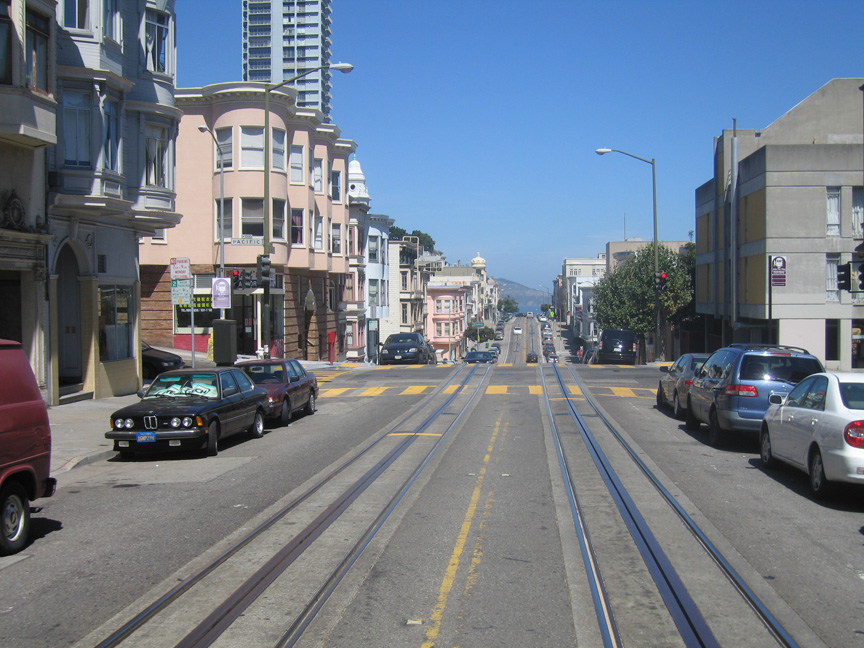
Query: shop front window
[{"x": 116, "y": 322}]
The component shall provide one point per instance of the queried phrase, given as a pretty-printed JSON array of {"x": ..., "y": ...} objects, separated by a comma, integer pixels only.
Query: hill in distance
[{"x": 529, "y": 299}]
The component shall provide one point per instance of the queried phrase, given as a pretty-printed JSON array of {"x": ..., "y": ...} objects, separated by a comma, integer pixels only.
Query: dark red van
[{"x": 25, "y": 447}]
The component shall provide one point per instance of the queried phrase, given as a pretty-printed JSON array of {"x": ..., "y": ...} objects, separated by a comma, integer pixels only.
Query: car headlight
[
  {"x": 175, "y": 422},
  {"x": 123, "y": 423},
  {"x": 413, "y": 350},
  {"x": 187, "y": 421}
]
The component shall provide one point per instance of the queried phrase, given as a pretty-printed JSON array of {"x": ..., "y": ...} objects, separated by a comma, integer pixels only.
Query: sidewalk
[{"x": 78, "y": 429}]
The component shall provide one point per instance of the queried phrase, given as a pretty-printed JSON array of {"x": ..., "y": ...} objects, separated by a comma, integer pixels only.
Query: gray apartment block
[{"x": 785, "y": 210}]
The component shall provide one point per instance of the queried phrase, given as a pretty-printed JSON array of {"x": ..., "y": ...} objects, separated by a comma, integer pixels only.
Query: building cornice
[{"x": 100, "y": 76}]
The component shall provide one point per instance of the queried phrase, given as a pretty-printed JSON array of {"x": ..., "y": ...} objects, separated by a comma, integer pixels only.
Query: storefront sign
[{"x": 778, "y": 271}]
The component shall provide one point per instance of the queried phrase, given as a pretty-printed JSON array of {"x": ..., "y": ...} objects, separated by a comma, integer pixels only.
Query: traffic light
[
  {"x": 860, "y": 277},
  {"x": 248, "y": 279},
  {"x": 236, "y": 279},
  {"x": 844, "y": 277},
  {"x": 660, "y": 281},
  {"x": 263, "y": 269}
]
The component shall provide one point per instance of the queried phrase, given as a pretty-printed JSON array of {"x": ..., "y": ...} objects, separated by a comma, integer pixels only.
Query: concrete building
[
  {"x": 111, "y": 182},
  {"x": 307, "y": 221},
  {"x": 283, "y": 38},
  {"x": 28, "y": 125},
  {"x": 784, "y": 210}
]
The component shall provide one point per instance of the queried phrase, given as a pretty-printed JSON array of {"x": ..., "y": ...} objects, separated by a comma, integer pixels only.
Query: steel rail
[
  {"x": 141, "y": 618},
  {"x": 685, "y": 613},
  {"x": 780, "y": 634}
]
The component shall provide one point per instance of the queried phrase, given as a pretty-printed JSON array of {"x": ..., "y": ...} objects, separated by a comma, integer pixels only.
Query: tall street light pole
[
  {"x": 203, "y": 128},
  {"x": 604, "y": 151},
  {"x": 265, "y": 311}
]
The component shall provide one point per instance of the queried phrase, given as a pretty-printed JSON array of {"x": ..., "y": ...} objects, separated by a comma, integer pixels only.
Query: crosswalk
[{"x": 491, "y": 390}]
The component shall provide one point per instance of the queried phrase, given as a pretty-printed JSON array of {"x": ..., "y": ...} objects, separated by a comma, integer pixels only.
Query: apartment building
[
  {"x": 784, "y": 210},
  {"x": 283, "y": 38},
  {"x": 307, "y": 222}
]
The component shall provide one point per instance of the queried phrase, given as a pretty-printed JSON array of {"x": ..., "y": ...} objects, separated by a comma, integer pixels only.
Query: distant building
[
  {"x": 579, "y": 277},
  {"x": 784, "y": 210},
  {"x": 282, "y": 39}
]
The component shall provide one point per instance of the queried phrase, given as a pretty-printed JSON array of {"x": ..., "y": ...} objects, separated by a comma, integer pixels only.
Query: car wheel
[
  {"x": 15, "y": 518},
  {"x": 285, "y": 417},
  {"x": 690, "y": 420},
  {"x": 765, "y": 454},
  {"x": 661, "y": 397},
  {"x": 148, "y": 372},
  {"x": 310, "y": 405},
  {"x": 715, "y": 433},
  {"x": 213, "y": 439},
  {"x": 677, "y": 410},
  {"x": 820, "y": 487},
  {"x": 257, "y": 429}
]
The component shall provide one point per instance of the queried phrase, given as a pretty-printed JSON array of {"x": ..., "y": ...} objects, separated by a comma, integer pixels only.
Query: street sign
[
  {"x": 181, "y": 292},
  {"x": 478, "y": 324},
  {"x": 181, "y": 268},
  {"x": 778, "y": 271},
  {"x": 248, "y": 240}
]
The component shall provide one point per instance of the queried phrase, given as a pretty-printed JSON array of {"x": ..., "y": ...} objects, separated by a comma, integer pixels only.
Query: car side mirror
[
  {"x": 294, "y": 378},
  {"x": 775, "y": 399},
  {"x": 664, "y": 369}
]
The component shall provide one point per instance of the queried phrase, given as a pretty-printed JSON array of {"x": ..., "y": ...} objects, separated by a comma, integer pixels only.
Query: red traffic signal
[{"x": 235, "y": 279}]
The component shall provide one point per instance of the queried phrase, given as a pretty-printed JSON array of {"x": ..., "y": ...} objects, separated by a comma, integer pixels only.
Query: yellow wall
[{"x": 752, "y": 209}]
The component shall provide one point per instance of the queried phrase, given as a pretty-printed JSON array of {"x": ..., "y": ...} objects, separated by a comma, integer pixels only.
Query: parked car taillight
[
  {"x": 742, "y": 390},
  {"x": 854, "y": 434}
]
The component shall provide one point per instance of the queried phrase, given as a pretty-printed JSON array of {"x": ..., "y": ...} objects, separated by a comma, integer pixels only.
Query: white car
[
  {"x": 819, "y": 429},
  {"x": 517, "y": 330}
]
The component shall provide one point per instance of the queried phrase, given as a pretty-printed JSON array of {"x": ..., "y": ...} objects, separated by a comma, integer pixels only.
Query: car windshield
[
  {"x": 783, "y": 368},
  {"x": 184, "y": 386},
  {"x": 264, "y": 374},
  {"x": 852, "y": 395},
  {"x": 401, "y": 339}
]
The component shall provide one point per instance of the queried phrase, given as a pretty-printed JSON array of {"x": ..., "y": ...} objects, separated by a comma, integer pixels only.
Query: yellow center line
[{"x": 456, "y": 555}]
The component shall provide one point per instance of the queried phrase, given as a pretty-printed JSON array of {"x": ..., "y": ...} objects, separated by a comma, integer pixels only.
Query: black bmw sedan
[{"x": 191, "y": 409}]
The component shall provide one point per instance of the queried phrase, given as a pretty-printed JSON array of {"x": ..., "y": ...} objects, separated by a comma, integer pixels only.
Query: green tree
[
  {"x": 396, "y": 233},
  {"x": 426, "y": 241},
  {"x": 485, "y": 334},
  {"x": 508, "y": 305},
  {"x": 625, "y": 297}
]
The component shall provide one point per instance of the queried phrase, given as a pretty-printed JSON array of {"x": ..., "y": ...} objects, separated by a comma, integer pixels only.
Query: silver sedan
[{"x": 819, "y": 429}]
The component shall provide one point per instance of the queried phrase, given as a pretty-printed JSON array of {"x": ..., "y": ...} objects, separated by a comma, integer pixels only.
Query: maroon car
[{"x": 289, "y": 386}]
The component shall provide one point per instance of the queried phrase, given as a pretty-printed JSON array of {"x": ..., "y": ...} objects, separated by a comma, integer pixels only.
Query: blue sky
[{"x": 477, "y": 120}]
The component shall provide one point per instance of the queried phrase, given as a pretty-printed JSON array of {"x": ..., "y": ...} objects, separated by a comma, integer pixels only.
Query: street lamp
[
  {"x": 203, "y": 128},
  {"x": 604, "y": 151},
  {"x": 342, "y": 67}
]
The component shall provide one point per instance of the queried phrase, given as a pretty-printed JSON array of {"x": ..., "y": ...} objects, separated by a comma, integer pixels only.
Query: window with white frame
[
  {"x": 278, "y": 219},
  {"x": 372, "y": 297},
  {"x": 858, "y": 212},
  {"x": 349, "y": 335},
  {"x": 318, "y": 232},
  {"x": 279, "y": 149},
  {"x": 111, "y": 147},
  {"x": 296, "y": 226},
  {"x": 296, "y": 162},
  {"x": 404, "y": 275},
  {"x": 439, "y": 306},
  {"x": 227, "y": 219},
  {"x": 373, "y": 248},
  {"x": 404, "y": 313},
  {"x": 349, "y": 287},
  {"x": 76, "y": 14},
  {"x": 832, "y": 195},
  {"x": 335, "y": 238},
  {"x": 318, "y": 175},
  {"x": 226, "y": 147},
  {"x": 336, "y": 186},
  {"x": 156, "y": 41},
  {"x": 158, "y": 236},
  {"x": 156, "y": 150},
  {"x": 6, "y": 31},
  {"x": 111, "y": 27},
  {"x": 38, "y": 33},
  {"x": 76, "y": 129},
  {"x": 832, "y": 293},
  {"x": 252, "y": 217},
  {"x": 251, "y": 147}
]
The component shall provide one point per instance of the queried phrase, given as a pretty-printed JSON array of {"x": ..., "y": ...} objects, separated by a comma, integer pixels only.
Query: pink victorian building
[
  {"x": 307, "y": 220},
  {"x": 446, "y": 317}
]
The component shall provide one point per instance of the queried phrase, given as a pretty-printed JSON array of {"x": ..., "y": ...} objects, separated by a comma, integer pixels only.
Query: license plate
[
  {"x": 618, "y": 347},
  {"x": 145, "y": 437},
  {"x": 397, "y": 357}
]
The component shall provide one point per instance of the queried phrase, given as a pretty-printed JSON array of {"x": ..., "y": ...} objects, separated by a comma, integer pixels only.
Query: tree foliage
[
  {"x": 396, "y": 233},
  {"x": 485, "y": 334},
  {"x": 508, "y": 305},
  {"x": 426, "y": 241},
  {"x": 625, "y": 297}
]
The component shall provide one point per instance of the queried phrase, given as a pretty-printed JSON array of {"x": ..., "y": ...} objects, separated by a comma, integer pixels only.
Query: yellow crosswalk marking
[
  {"x": 334, "y": 391},
  {"x": 535, "y": 390},
  {"x": 373, "y": 391},
  {"x": 499, "y": 390},
  {"x": 626, "y": 392},
  {"x": 414, "y": 389},
  {"x": 575, "y": 390}
]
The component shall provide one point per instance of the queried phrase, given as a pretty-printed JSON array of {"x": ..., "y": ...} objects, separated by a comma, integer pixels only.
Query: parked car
[
  {"x": 531, "y": 357},
  {"x": 289, "y": 386},
  {"x": 494, "y": 350},
  {"x": 25, "y": 447},
  {"x": 404, "y": 348},
  {"x": 730, "y": 391},
  {"x": 155, "y": 361},
  {"x": 479, "y": 357},
  {"x": 190, "y": 409},
  {"x": 819, "y": 429},
  {"x": 616, "y": 345},
  {"x": 676, "y": 380},
  {"x": 499, "y": 335}
]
